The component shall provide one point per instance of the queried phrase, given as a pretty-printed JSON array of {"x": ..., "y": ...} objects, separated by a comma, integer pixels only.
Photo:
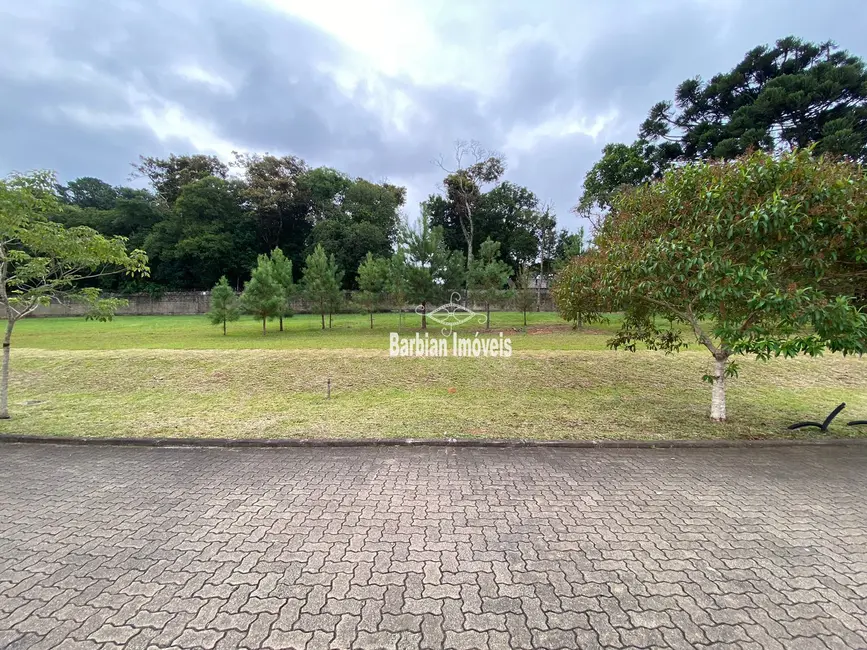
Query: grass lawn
[{"x": 179, "y": 376}]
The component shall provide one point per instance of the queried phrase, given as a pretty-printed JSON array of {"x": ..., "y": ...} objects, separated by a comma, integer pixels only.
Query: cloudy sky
[{"x": 377, "y": 88}]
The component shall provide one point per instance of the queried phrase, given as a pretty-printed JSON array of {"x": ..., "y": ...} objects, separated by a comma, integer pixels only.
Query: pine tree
[
  {"x": 263, "y": 296},
  {"x": 398, "y": 282},
  {"x": 372, "y": 280},
  {"x": 224, "y": 304},
  {"x": 281, "y": 266},
  {"x": 322, "y": 282},
  {"x": 488, "y": 274}
]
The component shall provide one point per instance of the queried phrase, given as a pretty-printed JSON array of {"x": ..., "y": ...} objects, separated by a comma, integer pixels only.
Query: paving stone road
[{"x": 370, "y": 548}]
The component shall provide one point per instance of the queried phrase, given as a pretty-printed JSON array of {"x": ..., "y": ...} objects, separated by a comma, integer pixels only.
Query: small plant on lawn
[
  {"x": 224, "y": 304},
  {"x": 41, "y": 260},
  {"x": 488, "y": 276},
  {"x": 525, "y": 295},
  {"x": 762, "y": 255},
  {"x": 398, "y": 282},
  {"x": 373, "y": 281},
  {"x": 263, "y": 297},
  {"x": 322, "y": 283},
  {"x": 281, "y": 267}
]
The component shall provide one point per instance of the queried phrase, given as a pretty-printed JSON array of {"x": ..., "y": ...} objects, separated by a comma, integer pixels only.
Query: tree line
[
  {"x": 421, "y": 271},
  {"x": 201, "y": 219}
]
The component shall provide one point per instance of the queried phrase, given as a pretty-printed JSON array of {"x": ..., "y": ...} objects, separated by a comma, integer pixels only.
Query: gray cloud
[{"x": 85, "y": 85}]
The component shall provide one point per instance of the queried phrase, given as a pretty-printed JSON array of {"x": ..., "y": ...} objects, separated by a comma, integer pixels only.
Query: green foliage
[
  {"x": 281, "y": 267},
  {"x": 263, "y": 296},
  {"x": 398, "y": 281},
  {"x": 207, "y": 234},
  {"x": 621, "y": 165},
  {"x": 275, "y": 193},
  {"x": 42, "y": 260},
  {"x": 89, "y": 192},
  {"x": 431, "y": 269},
  {"x": 777, "y": 98},
  {"x": 569, "y": 245},
  {"x": 525, "y": 295},
  {"x": 762, "y": 255},
  {"x": 790, "y": 95},
  {"x": 488, "y": 275},
  {"x": 322, "y": 281},
  {"x": 373, "y": 277},
  {"x": 225, "y": 305},
  {"x": 169, "y": 175}
]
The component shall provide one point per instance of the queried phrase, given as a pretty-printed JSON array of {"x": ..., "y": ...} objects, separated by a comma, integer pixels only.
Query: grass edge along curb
[{"x": 429, "y": 442}]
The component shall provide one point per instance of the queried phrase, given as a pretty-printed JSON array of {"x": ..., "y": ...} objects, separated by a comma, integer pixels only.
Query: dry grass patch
[{"x": 535, "y": 394}]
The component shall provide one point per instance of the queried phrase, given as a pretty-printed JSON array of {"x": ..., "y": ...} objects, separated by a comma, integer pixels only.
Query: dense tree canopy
[
  {"x": 777, "y": 98},
  {"x": 763, "y": 255},
  {"x": 202, "y": 219}
]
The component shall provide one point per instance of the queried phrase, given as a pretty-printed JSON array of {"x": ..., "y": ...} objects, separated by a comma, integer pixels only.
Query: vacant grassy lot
[{"x": 179, "y": 376}]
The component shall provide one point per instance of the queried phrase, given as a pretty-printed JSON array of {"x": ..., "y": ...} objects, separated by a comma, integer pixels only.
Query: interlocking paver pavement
[{"x": 394, "y": 547}]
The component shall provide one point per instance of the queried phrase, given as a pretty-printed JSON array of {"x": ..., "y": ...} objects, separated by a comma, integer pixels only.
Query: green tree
[
  {"x": 398, "y": 282},
  {"x": 777, "y": 98},
  {"x": 426, "y": 262},
  {"x": 621, "y": 166},
  {"x": 489, "y": 275},
  {"x": 41, "y": 260},
  {"x": 525, "y": 295},
  {"x": 373, "y": 282},
  {"x": 208, "y": 233},
  {"x": 263, "y": 297},
  {"x": 762, "y": 255},
  {"x": 322, "y": 282},
  {"x": 472, "y": 169},
  {"x": 352, "y": 217},
  {"x": 168, "y": 176},
  {"x": 224, "y": 304},
  {"x": 89, "y": 192},
  {"x": 569, "y": 245},
  {"x": 274, "y": 188},
  {"x": 783, "y": 97},
  {"x": 281, "y": 267},
  {"x": 577, "y": 290}
]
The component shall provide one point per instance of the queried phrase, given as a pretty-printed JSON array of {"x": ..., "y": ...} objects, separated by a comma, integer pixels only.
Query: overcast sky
[{"x": 376, "y": 88}]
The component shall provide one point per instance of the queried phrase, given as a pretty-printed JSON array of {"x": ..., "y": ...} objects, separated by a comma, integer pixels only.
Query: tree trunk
[
  {"x": 525, "y": 318},
  {"x": 264, "y": 331},
  {"x": 224, "y": 327},
  {"x": 371, "y": 320},
  {"x": 281, "y": 322},
  {"x": 4, "y": 372},
  {"x": 329, "y": 320},
  {"x": 424, "y": 314},
  {"x": 323, "y": 320},
  {"x": 718, "y": 392}
]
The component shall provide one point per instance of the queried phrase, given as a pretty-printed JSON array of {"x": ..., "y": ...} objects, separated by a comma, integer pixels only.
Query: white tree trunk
[
  {"x": 4, "y": 371},
  {"x": 718, "y": 394}
]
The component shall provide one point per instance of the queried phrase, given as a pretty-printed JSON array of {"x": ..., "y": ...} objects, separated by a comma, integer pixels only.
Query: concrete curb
[{"x": 433, "y": 442}]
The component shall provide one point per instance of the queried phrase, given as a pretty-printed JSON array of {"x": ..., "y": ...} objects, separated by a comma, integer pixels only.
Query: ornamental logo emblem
[{"x": 452, "y": 314}]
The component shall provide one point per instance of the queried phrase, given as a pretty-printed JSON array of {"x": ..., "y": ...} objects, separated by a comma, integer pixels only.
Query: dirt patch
[{"x": 559, "y": 329}]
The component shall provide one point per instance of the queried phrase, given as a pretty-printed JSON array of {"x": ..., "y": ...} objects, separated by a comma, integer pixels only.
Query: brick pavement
[{"x": 393, "y": 547}]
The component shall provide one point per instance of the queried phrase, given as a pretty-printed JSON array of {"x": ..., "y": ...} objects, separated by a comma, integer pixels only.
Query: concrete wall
[{"x": 198, "y": 302}]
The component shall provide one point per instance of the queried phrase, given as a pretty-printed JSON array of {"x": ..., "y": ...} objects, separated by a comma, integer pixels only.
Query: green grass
[{"x": 179, "y": 376}]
